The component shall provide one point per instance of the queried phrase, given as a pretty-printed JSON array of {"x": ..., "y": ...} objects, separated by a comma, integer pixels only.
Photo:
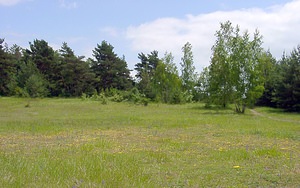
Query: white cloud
[
  {"x": 10, "y": 2},
  {"x": 67, "y": 4},
  {"x": 279, "y": 25}
]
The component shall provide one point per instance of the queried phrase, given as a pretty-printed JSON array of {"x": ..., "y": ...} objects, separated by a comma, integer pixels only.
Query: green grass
[{"x": 74, "y": 143}]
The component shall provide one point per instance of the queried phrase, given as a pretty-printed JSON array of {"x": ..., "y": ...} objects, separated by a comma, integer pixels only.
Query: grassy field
[{"x": 74, "y": 143}]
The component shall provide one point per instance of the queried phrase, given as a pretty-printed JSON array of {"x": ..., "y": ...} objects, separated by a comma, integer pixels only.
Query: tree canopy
[
  {"x": 110, "y": 70},
  {"x": 235, "y": 74},
  {"x": 241, "y": 72}
]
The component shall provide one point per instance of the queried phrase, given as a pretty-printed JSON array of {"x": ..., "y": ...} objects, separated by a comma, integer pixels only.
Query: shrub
[
  {"x": 117, "y": 98},
  {"x": 102, "y": 98},
  {"x": 177, "y": 98},
  {"x": 136, "y": 97},
  {"x": 95, "y": 97},
  {"x": 83, "y": 97},
  {"x": 19, "y": 92},
  {"x": 36, "y": 86}
]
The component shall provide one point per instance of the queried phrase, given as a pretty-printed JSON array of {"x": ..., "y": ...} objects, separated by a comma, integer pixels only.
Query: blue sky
[{"x": 134, "y": 26}]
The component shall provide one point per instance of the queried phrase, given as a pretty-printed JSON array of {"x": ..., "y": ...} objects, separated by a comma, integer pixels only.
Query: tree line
[{"x": 241, "y": 72}]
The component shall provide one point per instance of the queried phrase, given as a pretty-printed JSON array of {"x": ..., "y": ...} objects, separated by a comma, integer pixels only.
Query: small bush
[
  {"x": 95, "y": 97},
  {"x": 83, "y": 97},
  {"x": 177, "y": 98},
  {"x": 145, "y": 101},
  {"x": 117, "y": 98},
  {"x": 19, "y": 92},
  {"x": 36, "y": 86},
  {"x": 102, "y": 98},
  {"x": 136, "y": 97}
]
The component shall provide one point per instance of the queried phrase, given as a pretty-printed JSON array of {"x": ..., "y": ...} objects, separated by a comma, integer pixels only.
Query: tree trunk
[{"x": 243, "y": 109}]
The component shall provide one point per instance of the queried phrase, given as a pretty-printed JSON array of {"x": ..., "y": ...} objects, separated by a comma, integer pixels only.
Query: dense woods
[{"x": 241, "y": 72}]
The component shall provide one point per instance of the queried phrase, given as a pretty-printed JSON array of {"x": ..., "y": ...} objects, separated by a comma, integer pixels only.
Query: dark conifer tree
[
  {"x": 76, "y": 76},
  {"x": 145, "y": 70},
  {"x": 7, "y": 70},
  {"x": 288, "y": 87},
  {"x": 110, "y": 70}
]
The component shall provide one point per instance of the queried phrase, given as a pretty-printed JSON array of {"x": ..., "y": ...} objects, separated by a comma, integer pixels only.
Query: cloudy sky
[{"x": 134, "y": 26}]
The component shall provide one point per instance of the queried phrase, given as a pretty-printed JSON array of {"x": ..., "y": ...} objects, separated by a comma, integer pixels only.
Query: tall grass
[{"x": 74, "y": 143}]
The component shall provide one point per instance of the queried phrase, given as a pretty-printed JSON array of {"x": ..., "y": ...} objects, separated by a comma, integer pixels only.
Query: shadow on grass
[
  {"x": 278, "y": 111},
  {"x": 213, "y": 109}
]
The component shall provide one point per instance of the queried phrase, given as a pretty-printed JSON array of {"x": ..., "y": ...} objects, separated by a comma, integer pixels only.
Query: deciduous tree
[
  {"x": 166, "y": 81},
  {"x": 188, "y": 74},
  {"x": 235, "y": 72}
]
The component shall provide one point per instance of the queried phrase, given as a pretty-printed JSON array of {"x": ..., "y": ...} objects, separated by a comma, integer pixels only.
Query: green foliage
[
  {"x": 36, "y": 86},
  {"x": 240, "y": 72},
  {"x": 101, "y": 97},
  {"x": 235, "y": 73},
  {"x": 288, "y": 87},
  {"x": 201, "y": 92},
  {"x": 30, "y": 82},
  {"x": 177, "y": 97},
  {"x": 114, "y": 95},
  {"x": 111, "y": 71},
  {"x": 188, "y": 97},
  {"x": 43, "y": 56},
  {"x": 8, "y": 70},
  {"x": 166, "y": 81},
  {"x": 145, "y": 73},
  {"x": 76, "y": 76},
  {"x": 117, "y": 98},
  {"x": 188, "y": 74},
  {"x": 136, "y": 97},
  {"x": 84, "y": 97},
  {"x": 47, "y": 63},
  {"x": 271, "y": 75},
  {"x": 20, "y": 92}
]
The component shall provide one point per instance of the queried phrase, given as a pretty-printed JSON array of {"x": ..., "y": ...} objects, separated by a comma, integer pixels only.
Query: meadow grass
[{"x": 74, "y": 143}]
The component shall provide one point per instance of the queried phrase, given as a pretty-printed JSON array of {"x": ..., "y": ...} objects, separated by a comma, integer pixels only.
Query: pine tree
[{"x": 110, "y": 70}]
